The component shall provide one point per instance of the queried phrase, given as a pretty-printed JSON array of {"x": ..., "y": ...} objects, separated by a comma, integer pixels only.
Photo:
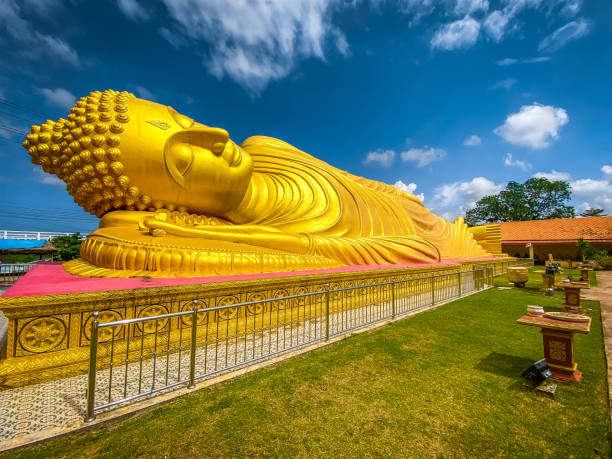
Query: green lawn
[{"x": 443, "y": 383}]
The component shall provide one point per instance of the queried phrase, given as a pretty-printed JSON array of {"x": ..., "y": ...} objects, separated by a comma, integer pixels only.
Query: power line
[
  {"x": 18, "y": 117},
  {"x": 20, "y": 107},
  {"x": 6, "y": 139},
  {"x": 12, "y": 129}
]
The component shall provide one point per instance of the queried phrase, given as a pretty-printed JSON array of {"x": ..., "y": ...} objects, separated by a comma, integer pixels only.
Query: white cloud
[
  {"x": 553, "y": 175},
  {"x": 42, "y": 177},
  {"x": 459, "y": 34},
  {"x": 133, "y": 10},
  {"x": 342, "y": 44},
  {"x": 535, "y": 60},
  {"x": 31, "y": 41},
  {"x": 176, "y": 40},
  {"x": 590, "y": 188},
  {"x": 532, "y": 60},
  {"x": 534, "y": 126},
  {"x": 472, "y": 141},
  {"x": 607, "y": 170},
  {"x": 563, "y": 35},
  {"x": 463, "y": 7},
  {"x": 142, "y": 92},
  {"x": 59, "y": 97},
  {"x": 506, "y": 84},
  {"x": 423, "y": 156},
  {"x": 495, "y": 25},
  {"x": 509, "y": 162},
  {"x": 255, "y": 42},
  {"x": 60, "y": 49},
  {"x": 410, "y": 188},
  {"x": 502, "y": 22},
  {"x": 571, "y": 7},
  {"x": 507, "y": 61},
  {"x": 383, "y": 158},
  {"x": 596, "y": 193},
  {"x": 454, "y": 199}
]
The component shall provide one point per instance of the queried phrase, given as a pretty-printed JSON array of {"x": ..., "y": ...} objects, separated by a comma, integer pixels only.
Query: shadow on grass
[{"x": 510, "y": 366}]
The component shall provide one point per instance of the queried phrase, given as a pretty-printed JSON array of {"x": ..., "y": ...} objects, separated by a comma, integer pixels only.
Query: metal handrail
[{"x": 250, "y": 325}]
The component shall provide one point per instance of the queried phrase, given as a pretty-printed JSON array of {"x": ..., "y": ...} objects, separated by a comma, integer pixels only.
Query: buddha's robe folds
[{"x": 348, "y": 218}]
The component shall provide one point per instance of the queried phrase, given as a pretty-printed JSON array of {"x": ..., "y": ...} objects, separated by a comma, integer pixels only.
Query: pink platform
[{"x": 49, "y": 278}]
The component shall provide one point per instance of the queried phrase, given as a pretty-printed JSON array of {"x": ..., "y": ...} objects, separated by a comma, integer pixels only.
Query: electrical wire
[
  {"x": 6, "y": 139},
  {"x": 8, "y": 103},
  {"x": 3, "y": 112},
  {"x": 12, "y": 129}
]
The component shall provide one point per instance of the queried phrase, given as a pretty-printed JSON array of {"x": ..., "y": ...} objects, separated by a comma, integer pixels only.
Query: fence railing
[
  {"x": 10, "y": 273},
  {"x": 135, "y": 358},
  {"x": 31, "y": 235}
]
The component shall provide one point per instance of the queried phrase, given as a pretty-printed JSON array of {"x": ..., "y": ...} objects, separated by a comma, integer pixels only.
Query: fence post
[
  {"x": 91, "y": 376},
  {"x": 194, "y": 343},
  {"x": 327, "y": 313},
  {"x": 393, "y": 297},
  {"x": 433, "y": 290},
  {"x": 459, "y": 281}
]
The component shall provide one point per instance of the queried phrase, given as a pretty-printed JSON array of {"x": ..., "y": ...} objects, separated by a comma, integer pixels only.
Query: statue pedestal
[
  {"x": 558, "y": 342},
  {"x": 50, "y": 311}
]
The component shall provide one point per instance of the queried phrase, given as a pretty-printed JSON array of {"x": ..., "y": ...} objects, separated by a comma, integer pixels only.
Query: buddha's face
[{"x": 180, "y": 163}]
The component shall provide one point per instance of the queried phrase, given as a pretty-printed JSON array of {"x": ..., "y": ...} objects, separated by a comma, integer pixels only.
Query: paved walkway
[{"x": 603, "y": 294}]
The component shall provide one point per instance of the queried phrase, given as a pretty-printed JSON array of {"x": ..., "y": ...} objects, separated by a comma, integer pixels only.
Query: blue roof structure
[{"x": 20, "y": 244}]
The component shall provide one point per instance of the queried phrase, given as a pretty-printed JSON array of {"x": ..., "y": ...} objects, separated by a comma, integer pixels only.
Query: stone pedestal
[{"x": 558, "y": 342}]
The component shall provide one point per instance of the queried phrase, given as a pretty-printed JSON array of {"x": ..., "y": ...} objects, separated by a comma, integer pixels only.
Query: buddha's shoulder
[{"x": 262, "y": 141}]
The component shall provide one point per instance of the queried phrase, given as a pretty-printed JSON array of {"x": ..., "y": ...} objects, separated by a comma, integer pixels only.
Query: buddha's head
[{"x": 116, "y": 151}]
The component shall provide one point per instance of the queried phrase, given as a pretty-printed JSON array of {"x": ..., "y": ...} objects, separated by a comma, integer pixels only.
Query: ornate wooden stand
[
  {"x": 584, "y": 274},
  {"x": 572, "y": 295},
  {"x": 545, "y": 280},
  {"x": 558, "y": 340}
]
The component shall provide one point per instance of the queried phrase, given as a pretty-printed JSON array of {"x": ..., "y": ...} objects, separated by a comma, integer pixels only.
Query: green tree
[
  {"x": 536, "y": 199},
  {"x": 586, "y": 249},
  {"x": 68, "y": 247},
  {"x": 593, "y": 212}
]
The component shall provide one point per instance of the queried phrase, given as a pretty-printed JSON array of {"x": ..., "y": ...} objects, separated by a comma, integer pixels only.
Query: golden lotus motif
[{"x": 179, "y": 198}]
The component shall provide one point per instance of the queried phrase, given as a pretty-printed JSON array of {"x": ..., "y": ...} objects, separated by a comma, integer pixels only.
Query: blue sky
[{"x": 449, "y": 99}]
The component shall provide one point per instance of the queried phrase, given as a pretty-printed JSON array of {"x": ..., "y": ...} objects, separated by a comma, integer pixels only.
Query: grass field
[{"x": 443, "y": 383}]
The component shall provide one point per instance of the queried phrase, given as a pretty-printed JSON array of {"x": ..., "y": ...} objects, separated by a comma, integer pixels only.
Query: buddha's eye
[{"x": 182, "y": 120}]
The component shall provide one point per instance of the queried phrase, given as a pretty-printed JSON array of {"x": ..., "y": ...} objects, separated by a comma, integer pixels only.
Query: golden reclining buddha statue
[{"x": 179, "y": 198}]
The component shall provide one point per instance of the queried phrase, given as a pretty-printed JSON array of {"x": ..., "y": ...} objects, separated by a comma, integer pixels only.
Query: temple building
[{"x": 538, "y": 238}]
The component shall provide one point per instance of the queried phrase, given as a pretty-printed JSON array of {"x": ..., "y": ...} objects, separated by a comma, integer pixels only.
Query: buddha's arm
[
  {"x": 256, "y": 235},
  {"x": 348, "y": 250}
]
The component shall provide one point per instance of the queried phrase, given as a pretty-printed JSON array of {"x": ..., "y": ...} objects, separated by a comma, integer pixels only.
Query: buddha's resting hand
[
  {"x": 349, "y": 250},
  {"x": 255, "y": 235}
]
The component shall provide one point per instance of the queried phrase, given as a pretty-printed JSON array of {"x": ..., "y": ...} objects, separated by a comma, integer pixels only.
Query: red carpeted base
[{"x": 49, "y": 278}]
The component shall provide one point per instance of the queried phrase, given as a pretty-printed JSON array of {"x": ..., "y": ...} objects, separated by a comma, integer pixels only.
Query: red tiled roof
[{"x": 593, "y": 229}]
